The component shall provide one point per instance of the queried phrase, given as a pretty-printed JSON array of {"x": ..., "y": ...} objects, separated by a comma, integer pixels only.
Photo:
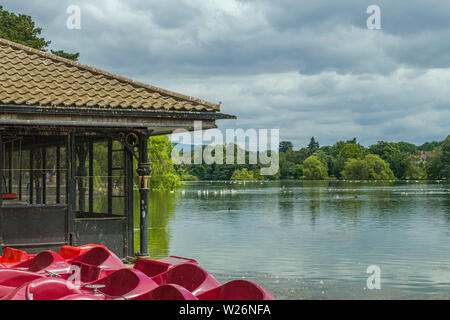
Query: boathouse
[{"x": 74, "y": 146}]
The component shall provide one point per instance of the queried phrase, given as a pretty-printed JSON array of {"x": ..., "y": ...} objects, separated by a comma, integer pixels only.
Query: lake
[{"x": 311, "y": 239}]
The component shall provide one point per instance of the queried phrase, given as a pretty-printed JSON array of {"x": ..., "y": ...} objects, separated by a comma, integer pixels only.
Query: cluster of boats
[{"x": 92, "y": 272}]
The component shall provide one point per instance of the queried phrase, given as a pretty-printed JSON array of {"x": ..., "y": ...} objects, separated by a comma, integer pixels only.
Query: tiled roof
[{"x": 36, "y": 78}]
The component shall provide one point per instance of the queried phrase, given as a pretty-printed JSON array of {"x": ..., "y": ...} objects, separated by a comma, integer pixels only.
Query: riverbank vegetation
[{"x": 343, "y": 160}]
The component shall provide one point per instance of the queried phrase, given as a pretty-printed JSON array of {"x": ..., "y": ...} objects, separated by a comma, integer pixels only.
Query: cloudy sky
[{"x": 309, "y": 68}]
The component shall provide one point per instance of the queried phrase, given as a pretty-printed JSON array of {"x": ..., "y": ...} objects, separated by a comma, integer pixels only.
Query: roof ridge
[{"x": 108, "y": 74}]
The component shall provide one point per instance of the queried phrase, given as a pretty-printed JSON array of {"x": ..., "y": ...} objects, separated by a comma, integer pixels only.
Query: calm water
[{"x": 312, "y": 240}]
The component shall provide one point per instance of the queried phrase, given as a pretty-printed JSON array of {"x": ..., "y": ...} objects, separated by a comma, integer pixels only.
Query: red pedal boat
[{"x": 92, "y": 272}]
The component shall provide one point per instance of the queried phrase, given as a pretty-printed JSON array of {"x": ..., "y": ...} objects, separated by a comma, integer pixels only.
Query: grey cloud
[{"x": 310, "y": 68}]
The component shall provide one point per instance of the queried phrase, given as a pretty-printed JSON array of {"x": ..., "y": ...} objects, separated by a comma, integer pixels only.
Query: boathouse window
[
  {"x": 35, "y": 173},
  {"x": 62, "y": 187},
  {"x": 100, "y": 178}
]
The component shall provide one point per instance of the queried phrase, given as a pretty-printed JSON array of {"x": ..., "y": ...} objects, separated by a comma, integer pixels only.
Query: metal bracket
[{"x": 130, "y": 141}]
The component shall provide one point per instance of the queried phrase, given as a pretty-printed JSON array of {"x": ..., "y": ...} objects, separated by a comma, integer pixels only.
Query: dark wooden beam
[
  {"x": 44, "y": 175},
  {"x": 129, "y": 202},
  {"x": 10, "y": 176},
  {"x": 58, "y": 174},
  {"x": 1, "y": 189},
  {"x": 143, "y": 171},
  {"x": 110, "y": 186},
  {"x": 81, "y": 152},
  {"x": 91, "y": 176},
  {"x": 20, "y": 170},
  {"x": 72, "y": 170},
  {"x": 31, "y": 186},
  {"x": 1, "y": 177}
]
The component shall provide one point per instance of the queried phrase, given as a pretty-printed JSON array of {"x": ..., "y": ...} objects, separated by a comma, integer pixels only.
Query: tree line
[{"x": 347, "y": 160}]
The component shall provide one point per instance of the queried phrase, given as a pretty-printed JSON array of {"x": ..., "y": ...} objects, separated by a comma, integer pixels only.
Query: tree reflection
[{"x": 161, "y": 211}]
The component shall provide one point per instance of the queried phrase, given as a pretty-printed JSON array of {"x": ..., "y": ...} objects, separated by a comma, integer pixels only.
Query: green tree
[
  {"x": 372, "y": 167},
  {"x": 415, "y": 169},
  {"x": 336, "y": 149},
  {"x": 243, "y": 174},
  {"x": 341, "y": 152},
  {"x": 429, "y": 146},
  {"x": 322, "y": 156},
  {"x": 63, "y": 54},
  {"x": 352, "y": 151},
  {"x": 356, "y": 169},
  {"x": 300, "y": 155},
  {"x": 22, "y": 29},
  {"x": 434, "y": 165},
  {"x": 378, "y": 168},
  {"x": 285, "y": 146},
  {"x": 325, "y": 159},
  {"x": 314, "y": 169},
  {"x": 223, "y": 172},
  {"x": 164, "y": 176},
  {"x": 398, "y": 161},
  {"x": 286, "y": 166},
  {"x": 185, "y": 176},
  {"x": 298, "y": 171},
  {"x": 390, "y": 152},
  {"x": 313, "y": 146},
  {"x": 445, "y": 158},
  {"x": 408, "y": 148}
]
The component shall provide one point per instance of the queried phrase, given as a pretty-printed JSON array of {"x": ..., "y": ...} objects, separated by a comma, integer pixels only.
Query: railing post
[
  {"x": 91, "y": 177},
  {"x": 129, "y": 201},
  {"x": 1, "y": 171},
  {"x": 58, "y": 174},
  {"x": 143, "y": 170},
  {"x": 110, "y": 181},
  {"x": 71, "y": 185},
  {"x": 1, "y": 191}
]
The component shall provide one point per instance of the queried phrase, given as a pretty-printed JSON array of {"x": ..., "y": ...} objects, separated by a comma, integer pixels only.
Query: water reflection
[
  {"x": 310, "y": 239},
  {"x": 161, "y": 212}
]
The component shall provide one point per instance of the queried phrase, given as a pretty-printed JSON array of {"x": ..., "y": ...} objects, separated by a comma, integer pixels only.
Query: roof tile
[{"x": 29, "y": 76}]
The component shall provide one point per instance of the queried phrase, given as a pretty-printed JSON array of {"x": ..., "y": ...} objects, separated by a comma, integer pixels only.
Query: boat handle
[
  {"x": 95, "y": 287},
  {"x": 52, "y": 274},
  {"x": 98, "y": 286}
]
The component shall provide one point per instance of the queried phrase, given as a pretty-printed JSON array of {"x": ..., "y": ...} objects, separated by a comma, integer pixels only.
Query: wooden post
[
  {"x": 129, "y": 202},
  {"x": 1, "y": 178},
  {"x": 58, "y": 174},
  {"x": 1, "y": 190},
  {"x": 110, "y": 186},
  {"x": 143, "y": 171},
  {"x": 20, "y": 170},
  {"x": 67, "y": 156},
  {"x": 44, "y": 175},
  {"x": 91, "y": 177},
  {"x": 71, "y": 183},
  {"x": 31, "y": 187},
  {"x": 37, "y": 180},
  {"x": 81, "y": 173},
  {"x": 10, "y": 161}
]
